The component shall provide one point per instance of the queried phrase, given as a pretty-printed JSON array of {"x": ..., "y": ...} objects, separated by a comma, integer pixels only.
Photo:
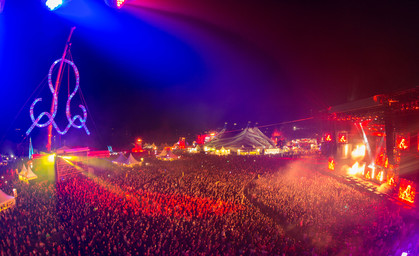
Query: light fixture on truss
[
  {"x": 53, "y": 5},
  {"x": 115, "y": 3}
]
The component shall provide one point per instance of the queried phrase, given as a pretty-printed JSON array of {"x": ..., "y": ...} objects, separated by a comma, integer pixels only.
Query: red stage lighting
[
  {"x": 343, "y": 137},
  {"x": 407, "y": 190},
  {"x": 328, "y": 137},
  {"x": 403, "y": 142}
]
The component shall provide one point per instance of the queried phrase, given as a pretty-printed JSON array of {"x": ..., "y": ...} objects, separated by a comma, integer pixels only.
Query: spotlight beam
[{"x": 2, "y": 5}]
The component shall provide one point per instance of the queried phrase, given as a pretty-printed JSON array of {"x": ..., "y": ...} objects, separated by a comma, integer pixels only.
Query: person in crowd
[{"x": 201, "y": 205}]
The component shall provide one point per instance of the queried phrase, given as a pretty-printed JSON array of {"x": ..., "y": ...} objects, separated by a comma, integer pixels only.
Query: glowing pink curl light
[{"x": 51, "y": 117}]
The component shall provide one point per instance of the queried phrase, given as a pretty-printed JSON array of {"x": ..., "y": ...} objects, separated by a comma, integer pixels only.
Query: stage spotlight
[
  {"x": 2, "y": 5},
  {"x": 115, "y": 3},
  {"x": 53, "y": 4},
  {"x": 51, "y": 158}
]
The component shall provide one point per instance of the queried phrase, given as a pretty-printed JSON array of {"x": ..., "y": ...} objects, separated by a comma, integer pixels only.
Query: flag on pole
[{"x": 30, "y": 148}]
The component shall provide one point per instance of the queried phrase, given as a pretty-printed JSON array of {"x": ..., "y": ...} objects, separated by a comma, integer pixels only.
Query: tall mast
[{"x": 57, "y": 86}]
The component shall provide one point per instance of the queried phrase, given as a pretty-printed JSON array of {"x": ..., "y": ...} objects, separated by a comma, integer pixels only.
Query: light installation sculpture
[{"x": 51, "y": 116}]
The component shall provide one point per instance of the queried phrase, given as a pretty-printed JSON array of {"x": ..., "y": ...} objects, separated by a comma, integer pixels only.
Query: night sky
[{"x": 160, "y": 69}]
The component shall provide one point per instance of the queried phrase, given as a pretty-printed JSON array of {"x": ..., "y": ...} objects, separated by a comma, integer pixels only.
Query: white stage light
[{"x": 53, "y": 4}]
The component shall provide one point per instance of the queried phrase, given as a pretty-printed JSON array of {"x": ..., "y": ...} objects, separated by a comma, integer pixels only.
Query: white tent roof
[
  {"x": 5, "y": 198},
  {"x": 167, "y": 154},
  {"x": 23, "y": 171},
  {"x": 163, "y": 153},
  {"x": 131, "y": 160},
  {"x": 121, "y": 159},
  {"x": 248, "y": 138},
  {"x": 27, "y": 173},
  {"x": 172, "y": 155},
  {"x": 30, "y": 174}
]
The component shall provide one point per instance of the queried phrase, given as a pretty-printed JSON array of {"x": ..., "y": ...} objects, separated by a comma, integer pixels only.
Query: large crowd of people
[
  {"x": 200, "y": 205},
  {"x": 331, "y": 215}
]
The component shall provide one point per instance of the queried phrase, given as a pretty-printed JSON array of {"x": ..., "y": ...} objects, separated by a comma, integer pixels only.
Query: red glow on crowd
[{"x": 104, "y": 195}]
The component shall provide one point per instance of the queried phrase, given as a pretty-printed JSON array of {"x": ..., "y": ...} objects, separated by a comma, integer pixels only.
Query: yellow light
[
  {"x": 331, "y": 165},
  {"x": 356, "y": 169},
  {"x": 358, "y": 152},
  {"x": 67, "y": 157},
  {"x": 381, "y": 176},
  {"x": 346, "y": 148},
  {"x": 51, "y": 158}
]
